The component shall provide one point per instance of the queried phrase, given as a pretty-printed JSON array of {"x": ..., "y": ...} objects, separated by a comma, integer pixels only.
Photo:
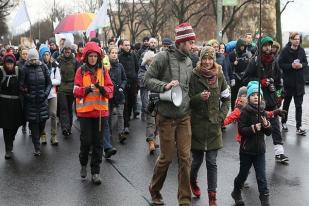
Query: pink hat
[{"x": 184, "y": 32}]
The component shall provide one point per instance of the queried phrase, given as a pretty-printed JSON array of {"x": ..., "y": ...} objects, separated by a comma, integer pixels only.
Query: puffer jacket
[
  {"x": 36, "y": 85},
  {"x": 119, "y": 79}
]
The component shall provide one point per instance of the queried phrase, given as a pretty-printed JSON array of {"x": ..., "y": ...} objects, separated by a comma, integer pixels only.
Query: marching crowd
[{"x": 250, "y": 78}]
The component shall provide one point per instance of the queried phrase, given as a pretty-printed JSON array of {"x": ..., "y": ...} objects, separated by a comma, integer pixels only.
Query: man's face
[
  {"x": 24, "y": 54},
  {"x": 67, "y": 52},
  {"x": 113, "y": 55},
  {"x": 152, "y": 43},
  {"x": 52, "y": 46},
  {"x": 207, "y": 63},
  {"x": 146, "y": 43},
  {"x": 295, "y": 41},
  {"x": 126, "y": 46},
  {"x": 186, "y": 47},
  {"x": 266, "y": 49},
  {"x": 248, "y": 39}
]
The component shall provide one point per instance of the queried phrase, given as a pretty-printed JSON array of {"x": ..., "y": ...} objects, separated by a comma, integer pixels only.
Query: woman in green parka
[{"x": 210, "y": 99}]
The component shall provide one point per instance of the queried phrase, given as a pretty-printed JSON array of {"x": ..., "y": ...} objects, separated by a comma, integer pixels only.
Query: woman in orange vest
[{"x": 92, "y": 89}]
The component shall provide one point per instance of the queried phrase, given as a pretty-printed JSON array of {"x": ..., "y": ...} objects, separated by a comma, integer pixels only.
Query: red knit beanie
[{"x": 184, "y": 32}]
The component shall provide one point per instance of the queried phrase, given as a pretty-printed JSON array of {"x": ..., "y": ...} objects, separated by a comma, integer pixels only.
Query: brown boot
[
  {"x": 151, "y": 145},
  {"x": 156, "y": 197},
  {"x": 212, "y": 198}
]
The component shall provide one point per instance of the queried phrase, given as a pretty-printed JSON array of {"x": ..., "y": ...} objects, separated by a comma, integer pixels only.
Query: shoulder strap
[{"x": 4, "y": 74}]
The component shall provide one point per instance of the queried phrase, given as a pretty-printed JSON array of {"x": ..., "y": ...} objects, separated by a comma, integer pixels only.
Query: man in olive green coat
[
  {"x": 210, "y": 98},
  {"x": 171, "y": 68}
]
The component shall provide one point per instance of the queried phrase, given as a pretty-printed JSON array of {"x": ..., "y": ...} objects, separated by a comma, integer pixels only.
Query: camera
[{"x": 153, "y": 100}]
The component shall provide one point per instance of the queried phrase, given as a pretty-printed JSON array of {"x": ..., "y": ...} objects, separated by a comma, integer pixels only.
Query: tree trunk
[{"x": 278, "y": 23}]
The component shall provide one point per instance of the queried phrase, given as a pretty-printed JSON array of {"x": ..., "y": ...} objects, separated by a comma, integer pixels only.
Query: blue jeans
[
  {"x": 259, "y": 163},
  {"x": 106, "y": 134}
]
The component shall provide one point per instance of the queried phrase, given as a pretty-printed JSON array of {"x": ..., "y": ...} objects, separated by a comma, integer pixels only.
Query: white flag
[
  {"x": 101, "y": 19},
  {"x": 20, "y": 18}
]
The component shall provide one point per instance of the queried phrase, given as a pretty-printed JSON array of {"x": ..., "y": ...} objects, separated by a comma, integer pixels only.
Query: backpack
[{"x": 5, "y": 75}]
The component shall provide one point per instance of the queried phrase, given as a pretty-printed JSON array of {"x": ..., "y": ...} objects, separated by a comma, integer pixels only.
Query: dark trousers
[
  {"x": 65, "y": 102},
  {"x": 91, "y": 137},
  {"x": 298, "y": 101},
  {"x": 37, "y": 129},
  {"x": 130, "y": 95},
  {"x": 9, "y": 137},
  {"x": 259, "y": 164},
  {"x": 234, "y": 92},
  {"x": 275, "y": 131},
  {"x": 211, "y": 166}
]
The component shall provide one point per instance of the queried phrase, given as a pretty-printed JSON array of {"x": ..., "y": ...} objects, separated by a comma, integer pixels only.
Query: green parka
[{"x": 206, "y": 117}]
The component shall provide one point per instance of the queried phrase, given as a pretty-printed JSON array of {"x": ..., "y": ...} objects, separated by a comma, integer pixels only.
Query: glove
[
  {"x": 280, "y": 112},
  {"x": 101, "y": 89},
  {"x": 264, "y": 82},
  {"x": 88, "y": 90},
  {"x": 233, "y": 82}
]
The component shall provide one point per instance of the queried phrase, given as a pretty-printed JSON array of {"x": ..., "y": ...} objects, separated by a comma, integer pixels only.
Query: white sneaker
[
  {"x": 300, "y": 131},
  {"x": 285, "y": 127}
]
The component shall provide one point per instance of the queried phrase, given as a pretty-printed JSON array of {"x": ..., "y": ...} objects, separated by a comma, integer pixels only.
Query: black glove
[
  {"x": 101, "y": 89},
  {"x": 88, "y": 90}
]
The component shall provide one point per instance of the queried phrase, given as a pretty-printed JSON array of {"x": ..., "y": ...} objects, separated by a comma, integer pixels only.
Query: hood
[
  {"x": 91, "y": 47},
  {"x": 240, "y": 43}
]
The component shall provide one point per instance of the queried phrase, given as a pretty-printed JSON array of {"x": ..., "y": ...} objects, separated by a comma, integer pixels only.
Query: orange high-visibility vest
[{"x": 94, "y": 100}]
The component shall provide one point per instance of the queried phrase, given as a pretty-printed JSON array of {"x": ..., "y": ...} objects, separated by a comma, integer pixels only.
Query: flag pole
[{"x": 259, "y": 61}]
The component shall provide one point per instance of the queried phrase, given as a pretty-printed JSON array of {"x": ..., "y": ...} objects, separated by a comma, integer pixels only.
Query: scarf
[
  {"x": 211, "y": 75},
  {"x": 267, "y": 59}
]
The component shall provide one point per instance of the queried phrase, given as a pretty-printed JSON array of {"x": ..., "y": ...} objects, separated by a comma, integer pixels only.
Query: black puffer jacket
[
  {"x": 36, "y": 84},
  {"x": 293, "y": 80},
  {"x": 251, "y": 143},
  {"x": 130, "y": 64},
  {"x": 118, "y": 76}
]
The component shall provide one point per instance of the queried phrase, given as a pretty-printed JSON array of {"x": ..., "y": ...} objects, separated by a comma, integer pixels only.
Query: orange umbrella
[{"x": 75, "y": 22}]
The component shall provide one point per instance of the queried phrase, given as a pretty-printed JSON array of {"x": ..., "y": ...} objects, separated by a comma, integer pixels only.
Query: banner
[
  {"x": 101, "y": 19},
  {"x": 20, "y": 18}
]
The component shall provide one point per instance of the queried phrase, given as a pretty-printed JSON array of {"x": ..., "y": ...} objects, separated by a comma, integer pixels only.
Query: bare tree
[
  {"x": 89, "y": 5},
  {"x": 186, "y": 10},
  {"x": 5, "y": 9},
  {"x": 154, "y": 15},
  {"x": 117, "y": 17},
  {"x": 279, "y": 11}
]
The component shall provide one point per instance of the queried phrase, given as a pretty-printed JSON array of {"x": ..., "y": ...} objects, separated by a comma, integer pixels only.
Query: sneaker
[
  {"x": 126, "y": 130},
  {"x": 83, "y": 172},
  {"x": 122, "y": 137},
  {"x": 156, "y": 197},
  {"x": 237, "y": 198},
  {"x": 301, "y": 131},
  {"x": 96, "y": 179},
  {"x": 66, "y": 133},
  {"x": 37, "y": 152},
  {"x": 281, "y": 158},
  {"x": 109, "y": 152},
  {"x": 195, "y": 189},
  {"x": 8, "y": 155},
  {"x": 284, "y": 127}
]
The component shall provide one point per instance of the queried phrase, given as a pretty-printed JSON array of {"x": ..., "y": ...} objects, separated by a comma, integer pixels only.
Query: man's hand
[
  {"x": 205, "y": 95},
  {"x": 233, "y": 82},
  {"x": 258, "y": 126},
  {"x": 171, "y": 84}
]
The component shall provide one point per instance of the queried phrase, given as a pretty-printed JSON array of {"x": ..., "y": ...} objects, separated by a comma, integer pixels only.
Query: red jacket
[
  {"x": 79, "y": 57},
  {"x": 79, "y": 91}
]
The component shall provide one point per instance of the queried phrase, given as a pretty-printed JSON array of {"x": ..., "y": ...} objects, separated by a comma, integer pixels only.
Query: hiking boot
[
  {"x": 284, "y": 127},
  {"x": 151, "y": 146},
  {"x": 236, "y": 195},
  {"x": 281, "y": 158},
  {"x": 195, "y": 189},
  {"x": 43, "y": 138},
  {"x": 8, "y": 155},
  {"x": 109, "y": 152},
  {"x": 83, "y": 172},
  {"x": 212, "y": 198},
  {"x": 264, "y": 198},
  {"x": 96, "y": 179},
  {"x": 156, "y": 197},
  {"x": 300, "y": 131},
  {"x": 53, "y": 140},
  {"x": 37, "y": 152},
  {"x": 122, "y": 137}
]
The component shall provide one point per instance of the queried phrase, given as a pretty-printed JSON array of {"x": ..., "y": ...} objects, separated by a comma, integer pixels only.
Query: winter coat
[
  {"x": 293, "y": 80},
  {"x": 55, "y": 78},
  {"x": 36, "y": 84},
  {"x": 141, "y": 75},
  {"x": 207, "y": 117},
  {"x": 252, "y": 142},
  {"x": 130, "y": 64},
  {"x": 220, "y": 59},
  {"x": 233, "y": 117},
  {"x": 68, "y": 66},
  {"x": 11, "y": 114},
  {"x": 270, "y": 71},
  {"x": 79, "y": 89},
  {"x": 167, "y": 66},
  {"x": 119, "y": 79}
]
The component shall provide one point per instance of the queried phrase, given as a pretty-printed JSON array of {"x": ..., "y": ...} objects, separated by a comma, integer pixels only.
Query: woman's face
[
  {"x": 207, "y": 63},
  {"x": 92, "y": 58},
  {"x": 9, "y": 66},
  {"x": 113, "y": 54},
  {"x": 46, "y": 57}
]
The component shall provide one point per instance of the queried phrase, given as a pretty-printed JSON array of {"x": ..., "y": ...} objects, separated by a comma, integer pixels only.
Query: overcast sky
[{"x": 294, "y": 18}]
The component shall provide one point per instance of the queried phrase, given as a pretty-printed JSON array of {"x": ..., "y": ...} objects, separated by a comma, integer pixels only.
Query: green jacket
[
  {"x": 206, "y": 117},
  {"x": 67, "y": 71},
  {"x": 167, "y": 66}
]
